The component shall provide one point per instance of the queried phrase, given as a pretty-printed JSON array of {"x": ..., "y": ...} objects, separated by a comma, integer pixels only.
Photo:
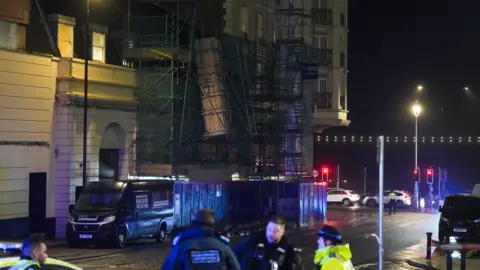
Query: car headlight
[
  {"x": 477, "y": 220},
  {"x": 71, "y": 219},
  {"x": 444, "y": 219},
  {"x": 109, "y": 219}
]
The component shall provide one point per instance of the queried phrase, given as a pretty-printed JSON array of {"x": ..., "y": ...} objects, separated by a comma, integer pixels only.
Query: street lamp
[
  {"x": 416, "y": 109},
  {"x": 85, "y": 92},
  {"x": 419, "y": 88}
]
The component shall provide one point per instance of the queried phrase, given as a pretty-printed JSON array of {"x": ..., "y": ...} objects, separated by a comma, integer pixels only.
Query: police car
[{"x": 8, "y": 249}]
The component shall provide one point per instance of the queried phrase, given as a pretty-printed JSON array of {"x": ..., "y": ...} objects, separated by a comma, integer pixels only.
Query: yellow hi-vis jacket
[
  {"x": 392, "y": 196},
  {"x": 24, "y": 264},
  {"x": 334, "y": 258}
]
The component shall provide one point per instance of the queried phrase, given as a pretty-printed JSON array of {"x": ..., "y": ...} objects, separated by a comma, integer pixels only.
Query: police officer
[
  {"x": 269, "y": 250},
  {"x": 34, "y": 254},
  {"x": 332, "y": 252},
  {"x": 199, "y": 247},
  {"x": 393, "y": 202}
]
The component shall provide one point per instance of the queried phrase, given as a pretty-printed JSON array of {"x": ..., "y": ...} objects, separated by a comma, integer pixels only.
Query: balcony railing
[{"x": 322, "y": 16}]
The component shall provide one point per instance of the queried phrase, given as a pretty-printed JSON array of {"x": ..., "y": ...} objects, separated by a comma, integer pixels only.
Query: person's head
[
  {"x": 204, "y": 217},
  {"x": 36, "y": 249},
  {"x": 275, "y": 229},
  {"x": 328, "y": 236},
  {"x": 391, "y": 190}
]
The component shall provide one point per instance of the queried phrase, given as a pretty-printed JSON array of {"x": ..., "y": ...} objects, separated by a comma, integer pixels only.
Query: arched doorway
[{"x": 111, "y": 149}]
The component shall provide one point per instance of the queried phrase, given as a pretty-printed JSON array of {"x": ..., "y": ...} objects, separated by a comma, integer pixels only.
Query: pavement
[
  {"x": 417, "y": 258},
  {"x": 402, "y": 232}
]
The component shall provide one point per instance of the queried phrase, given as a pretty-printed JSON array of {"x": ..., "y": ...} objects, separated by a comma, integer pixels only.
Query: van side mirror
[
  {"x": 71, "y": 208},
  {"x": 440, "y": 209}
]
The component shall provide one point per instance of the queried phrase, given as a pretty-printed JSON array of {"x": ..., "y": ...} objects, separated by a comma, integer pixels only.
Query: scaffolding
[
  {"x": 287, "y": 89},
  {"x": 154, "y": 45},
  {"x": 220, "y": 100}
]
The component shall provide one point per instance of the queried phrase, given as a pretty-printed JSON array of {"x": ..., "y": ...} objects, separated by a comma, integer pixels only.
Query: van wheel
[
  {"x": 161, "y": 234},
  {"x": 120, "y": 238}
]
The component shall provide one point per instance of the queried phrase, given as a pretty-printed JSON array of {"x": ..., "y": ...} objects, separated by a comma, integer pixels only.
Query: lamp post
[
  {"x": 85, "y": 91},
  {"x": 416, "y": 112}
]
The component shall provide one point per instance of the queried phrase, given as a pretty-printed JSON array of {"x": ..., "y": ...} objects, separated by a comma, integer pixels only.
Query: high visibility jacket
[
  {"x": 334, "y": 258},
  {"x": 24, "y": 264},
  {"x": 392, "y": 196}
]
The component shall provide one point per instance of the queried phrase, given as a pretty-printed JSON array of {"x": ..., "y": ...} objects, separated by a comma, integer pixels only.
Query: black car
[{"x": 460, "y": 218}]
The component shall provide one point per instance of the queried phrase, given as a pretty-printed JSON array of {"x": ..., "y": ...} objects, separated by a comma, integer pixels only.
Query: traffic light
[
  {"x": 416, "y": 176},
  {"x": 430, "y": 176},
  {"x": 325, "y": 172}
]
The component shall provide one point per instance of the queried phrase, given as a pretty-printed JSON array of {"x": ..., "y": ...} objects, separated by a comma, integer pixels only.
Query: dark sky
[{"x": 395, "y": 45}]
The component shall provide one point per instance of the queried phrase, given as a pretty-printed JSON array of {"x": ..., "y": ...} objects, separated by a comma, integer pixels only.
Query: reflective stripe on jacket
[
  {"x": 345, "y": 264},
  {"x": 392, "y": 196},
  {"x": 24, "y": 264}
]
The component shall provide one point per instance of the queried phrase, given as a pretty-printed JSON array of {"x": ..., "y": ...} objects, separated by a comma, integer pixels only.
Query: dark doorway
[
  {"x": 37, "y": 202},
  {"x": 109, "y": 164}
]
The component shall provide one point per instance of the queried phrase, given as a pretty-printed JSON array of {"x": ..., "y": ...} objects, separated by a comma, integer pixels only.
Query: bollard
[
  {"x": 429, "y": 245},
  {"x": 463, "y": 260},
  {"x": 449, "y": 260}
]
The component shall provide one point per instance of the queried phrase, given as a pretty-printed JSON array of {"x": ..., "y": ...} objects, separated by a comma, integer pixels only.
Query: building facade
[{"x": 42, "y": 124}]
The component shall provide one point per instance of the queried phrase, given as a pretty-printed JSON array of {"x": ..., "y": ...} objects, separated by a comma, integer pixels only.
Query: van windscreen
[{"x": 97, "y": 201}]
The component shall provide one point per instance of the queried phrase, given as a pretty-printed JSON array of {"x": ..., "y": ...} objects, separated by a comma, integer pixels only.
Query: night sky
[{"x": 395, "y": 45}]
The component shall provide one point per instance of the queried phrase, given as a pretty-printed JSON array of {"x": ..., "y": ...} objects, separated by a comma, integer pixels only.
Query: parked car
[
  {"x": 9, "y": 257},
  {"x": 403, "y": 199},
  {"x": 343, "y": 196},
  {"x": 50, "y": 264},
  {"x": 459, "y": 217}
]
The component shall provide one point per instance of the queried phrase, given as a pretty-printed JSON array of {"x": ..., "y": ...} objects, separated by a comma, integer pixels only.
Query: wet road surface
[{"x": 401, "y": 231}]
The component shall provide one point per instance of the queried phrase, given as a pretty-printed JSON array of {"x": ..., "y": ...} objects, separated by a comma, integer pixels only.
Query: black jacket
[
  {"x": 255, "y": 253},
  {"x": 198, "y": 239}
]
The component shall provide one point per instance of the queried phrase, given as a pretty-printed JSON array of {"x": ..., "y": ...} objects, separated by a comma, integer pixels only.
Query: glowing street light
[
  {"x": 466, "y": 88},
  {"x": 417, "y": 109},
  {"x": 419, "y": 88}
]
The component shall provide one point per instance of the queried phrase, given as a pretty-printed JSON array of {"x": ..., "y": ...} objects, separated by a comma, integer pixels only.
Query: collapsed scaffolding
[{"x": 217, "y": 101}]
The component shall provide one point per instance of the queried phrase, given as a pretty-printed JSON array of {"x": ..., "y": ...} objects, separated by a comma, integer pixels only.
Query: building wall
[
  {"x": 109, "y": 127},
  {"x": 27, "y": 94}
]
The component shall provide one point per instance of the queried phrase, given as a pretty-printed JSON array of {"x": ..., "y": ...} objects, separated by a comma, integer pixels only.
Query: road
[{"x": 402, "y": 230}]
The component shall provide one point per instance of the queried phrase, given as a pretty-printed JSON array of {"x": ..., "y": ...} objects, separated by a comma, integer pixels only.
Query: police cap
[{"x": 330, "y": 233}]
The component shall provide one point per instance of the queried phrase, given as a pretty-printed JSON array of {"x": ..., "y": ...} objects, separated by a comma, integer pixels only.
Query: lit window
[{"x": 98, "y": 47}]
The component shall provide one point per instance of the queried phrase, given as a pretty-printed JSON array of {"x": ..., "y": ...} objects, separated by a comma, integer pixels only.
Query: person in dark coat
[
  {"x": 199, "y": 247},
  {"x": 269, "y": 249}
]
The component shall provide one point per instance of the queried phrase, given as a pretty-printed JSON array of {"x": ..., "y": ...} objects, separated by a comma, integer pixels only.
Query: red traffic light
[
  {"x": 325, "y": 170},
  {"x": 430, "y": 172}
]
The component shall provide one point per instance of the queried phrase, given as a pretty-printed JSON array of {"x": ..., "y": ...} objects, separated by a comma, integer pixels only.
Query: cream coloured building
[
  {"x": 41, "y": 130},
  {"x": 297, "y": 26}
]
